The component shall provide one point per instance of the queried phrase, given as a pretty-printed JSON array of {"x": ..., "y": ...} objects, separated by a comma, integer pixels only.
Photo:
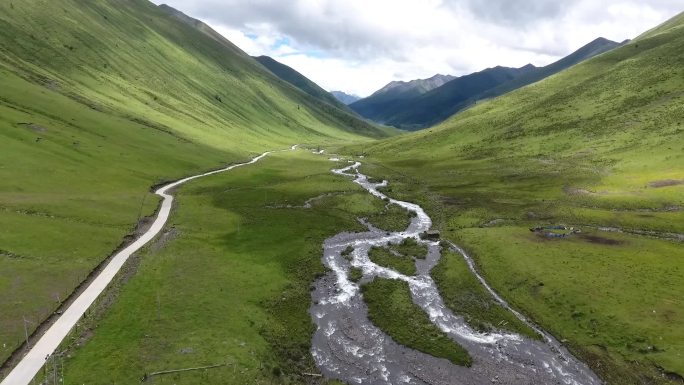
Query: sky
[{"x": 358, "y": 46}]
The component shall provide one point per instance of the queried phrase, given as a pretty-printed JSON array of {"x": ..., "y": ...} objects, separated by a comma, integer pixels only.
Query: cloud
[
  {"x": 514, "y": 13},
  {"x": 358, "y": 46}
]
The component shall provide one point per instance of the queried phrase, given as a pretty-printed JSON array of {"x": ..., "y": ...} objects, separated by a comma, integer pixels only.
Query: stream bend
[{"x": 348, "y": 347}]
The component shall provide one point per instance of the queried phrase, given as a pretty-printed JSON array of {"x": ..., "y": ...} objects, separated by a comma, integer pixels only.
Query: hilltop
[{"x": 441, "y": 102}]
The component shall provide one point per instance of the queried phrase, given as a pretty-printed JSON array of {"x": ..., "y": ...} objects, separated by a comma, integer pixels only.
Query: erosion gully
[{"x": 348, "y": 347}]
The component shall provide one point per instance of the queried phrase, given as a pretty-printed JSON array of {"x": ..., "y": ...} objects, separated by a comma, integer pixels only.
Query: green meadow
[
  {"x": 228, "y": 284},
  {"x": 400, "y": 263},
  {"x": 99, "y": 102},
  {"x": 466, "y": 296},
  {"x": 391, "y": 309},
  {"x": 102, "y": 100}
]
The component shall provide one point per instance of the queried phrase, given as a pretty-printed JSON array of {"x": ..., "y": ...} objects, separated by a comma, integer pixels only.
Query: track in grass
[{"x": 36, "y": 357}]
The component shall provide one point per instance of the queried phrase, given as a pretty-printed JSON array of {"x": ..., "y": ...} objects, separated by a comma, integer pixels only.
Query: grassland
[
  {"x": 100, "y": 100},
  {"x": 231, "y": 286},
  {"x": 391, "y": 218},
  {"x": 355, "y": 274},
  {"x": 87, "y": 126},
  {"x": 391, "y": 309},
  {"x": 400, "y": 263},
  {"x": 593, "y": 146},
  {"x": 411, "y": 248},
  {"x": 466, "y": 296},
  {"x": 608, "y": 295}
]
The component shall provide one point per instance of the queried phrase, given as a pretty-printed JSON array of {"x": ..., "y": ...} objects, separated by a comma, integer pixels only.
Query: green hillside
[
  {"x": 594, "y": 48},
  {"x": 102, "y": 99},
  {"x": 598, "y": 145},
  {"x": 300, "y": 81}
]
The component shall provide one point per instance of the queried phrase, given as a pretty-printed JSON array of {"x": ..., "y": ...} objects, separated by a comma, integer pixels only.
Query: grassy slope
[
  {"x": 99, "y": 101},
  {"x": 588, "y": 51},
  {"x": 232, "y": 286},
  {"x": 300, "y": 81},
  {"x": 581, "y": 148}
]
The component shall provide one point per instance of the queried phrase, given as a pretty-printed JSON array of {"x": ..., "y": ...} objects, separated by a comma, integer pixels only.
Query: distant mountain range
[
  {"x": 414, "y": 87},
  {"x": 421, "y": 103},
  {"x": 345, "y": 97},
  {"x": 387, "y": 102}
]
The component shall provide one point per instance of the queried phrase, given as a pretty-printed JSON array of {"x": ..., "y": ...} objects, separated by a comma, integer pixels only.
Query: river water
[{"x": 348, "y": 347}]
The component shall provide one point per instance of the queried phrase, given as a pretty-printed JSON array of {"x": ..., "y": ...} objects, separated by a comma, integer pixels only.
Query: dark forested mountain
[
  {"x": 442, "y": 102},
  {"x": 382, "y": 104},
  {"x": 414, "y": 110}
]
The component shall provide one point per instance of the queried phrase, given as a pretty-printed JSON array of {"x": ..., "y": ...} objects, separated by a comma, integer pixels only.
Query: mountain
[
  {"x": 100, "y": 100},
  {"x": 344, "y": 97},
  {"x": 417, "y": 87},
  {"x": 300, "y": 81},
  {"x": 424, "y": 110},
  {"x": 202, "y": 27},
  {"x": 383, "y": 103},
  {"x": 598, "y": 146},
  {"x": 590, "y": 50},
  {"x": 442, "y": 102}
]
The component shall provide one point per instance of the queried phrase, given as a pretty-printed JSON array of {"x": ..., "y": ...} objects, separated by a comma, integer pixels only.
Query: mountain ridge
[
  {"x": 585, "y": 147},
  {"x": 301, "y": 82},
  {"x": 344, "y": 97},
  {"x": 421, "y": 111},
  {"x": 417, "y": 85}
]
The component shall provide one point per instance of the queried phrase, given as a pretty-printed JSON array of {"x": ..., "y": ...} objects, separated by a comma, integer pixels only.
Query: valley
[
  {"x": 527, "y": 228},
  {"x": 583, "y": 157}
]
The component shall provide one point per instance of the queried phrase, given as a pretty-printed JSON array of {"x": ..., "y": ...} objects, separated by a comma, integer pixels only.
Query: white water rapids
[{"x": 348, "y": 347}]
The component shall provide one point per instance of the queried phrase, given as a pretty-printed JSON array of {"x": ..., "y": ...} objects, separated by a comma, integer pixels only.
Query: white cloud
[{"x": 358, "y": 46}]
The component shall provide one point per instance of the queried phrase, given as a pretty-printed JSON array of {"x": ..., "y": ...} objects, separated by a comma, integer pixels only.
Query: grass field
[
  {"x": 411, "y": 248},
  {"x": 391, "y": 218},
  {"x": 400, "y": 263},
  {"x": 101, "y": 100},
  {"x": 632, "y": 311},
  {"x": 598, "y": 145},
  {"x": 465, "y": 296},
  {"x": 391, "y": 309},
  {"x": 231, "y": 286}
]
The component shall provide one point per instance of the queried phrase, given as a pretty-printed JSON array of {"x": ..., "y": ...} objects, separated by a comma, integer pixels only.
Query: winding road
[{"x": 33, "y": 361}]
